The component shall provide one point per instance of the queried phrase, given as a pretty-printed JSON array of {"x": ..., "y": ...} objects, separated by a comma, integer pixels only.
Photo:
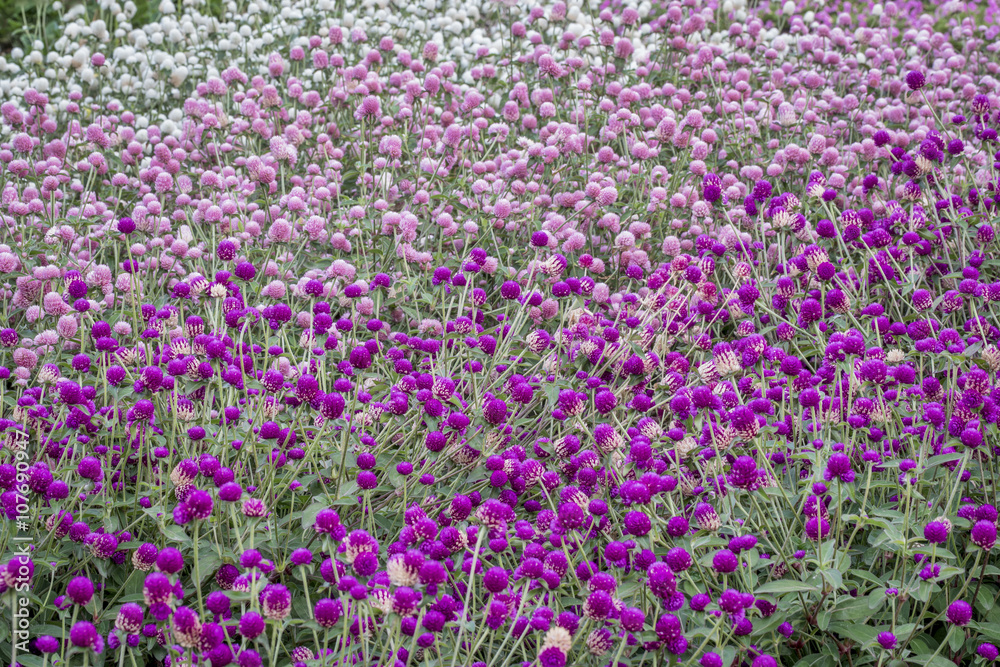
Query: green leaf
[
  {"x": 852, "y": 609},
  {"x": 862, "y": 634},
  {"x": 768, "y": 625},
  {"x": 955, "y": 640},
  {"x": 176, "y": 534},
  {"x": 989, "y": 630},
  {"x": 869, "y": 577},
  {"x": 986, "y": 598},
  {"x": 931, "y": 660},
  {"x": 782, "y": 586},
  {"x": 833, "y": 577}
]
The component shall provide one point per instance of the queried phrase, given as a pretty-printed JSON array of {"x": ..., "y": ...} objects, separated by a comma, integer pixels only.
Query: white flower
[{"x": 178, "y": 75}]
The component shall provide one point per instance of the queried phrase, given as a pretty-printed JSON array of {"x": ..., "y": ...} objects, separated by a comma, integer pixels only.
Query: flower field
[{"x": 461, "y": 333}]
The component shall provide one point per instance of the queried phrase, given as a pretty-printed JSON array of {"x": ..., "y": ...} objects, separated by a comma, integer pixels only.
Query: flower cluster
[{"x": 480, "y": 333}]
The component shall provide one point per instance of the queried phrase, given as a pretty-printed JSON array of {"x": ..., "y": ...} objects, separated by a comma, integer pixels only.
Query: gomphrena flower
[
  {"x": 839, "y": 467},
  {"x": 915, "y": 79},
  {"x": 706, "y": 517},
  {"x": 129, "y": 619},
  {"x": 936, "y": 532},
  {"x": 984, "y": 534},
  {"x": 988, "y": 651},
  {"x": 959, "y": 612},
  {"x": 145, "y": 556},
  {"x": 661, "y": 580},
  {"x": 503, "y": 326},
  {"x": 84, "y": 635},
  {"x": 725, "y": 561},
  {"x": 187, "y": 627},
  {"x": 80, "y": 590}
]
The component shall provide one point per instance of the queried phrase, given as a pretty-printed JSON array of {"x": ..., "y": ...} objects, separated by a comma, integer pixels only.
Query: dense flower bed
[{"x": 501, "y": 334}]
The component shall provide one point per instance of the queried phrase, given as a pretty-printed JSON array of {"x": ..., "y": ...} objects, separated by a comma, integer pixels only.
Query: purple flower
[
  {"x": 839, "y": 467},
  {"x": 988, "y": 651},
  {"x": 817, "y": 528},
  {"x": 495, "y": 580},
  {"x": 327, "y": 612},
  {"x": 661, "y": 580},
  {"x": 711, "y": 659},
  {"x": 915, "y": 80},
  {"x": 959, "y": 612},
  {"x": 170, "y": 561},
  {"x": 637, "y": 523},
  {"x": 984, "y": 534},
  {"x": 80, "y": 590},
  {"x": 276, "y": 601},
  {"x": 251, "y": 625},
  {"x": 936, "y": 532},
  {"x": 129, "y": 619},
  {"x": 725, "y": 561},
  {"x": 83, "y": 634}
]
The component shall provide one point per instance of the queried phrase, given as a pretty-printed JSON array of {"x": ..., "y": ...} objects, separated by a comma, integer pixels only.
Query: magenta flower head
[
  {"x": 84, "y": 635},
  {"x": 47, "y": 644},
  {"x": 915, "y": 80},
  {"x": 839, "y": 467},
  {"x": 328, "y": 612},
  {"x": 249, "y": 658},
  {"x": 707, "y": 518},
  {"x": 20, "y": 570},
  {"x": 226, "y": 575},
  {"x": 129, "y": 619},
  {"x": 677, "y": 526},
  {"x": 725, "y": 561},
  {"x": 226, "y": 250},
  {"x": 633, "y": 619},
  {"x": 80, "y": 590},
  {"x": 301, "y": 557},
  {"x": 959, "y": 612},
  {"x": 327, "y": 521},
  {"x": 495, "y": 411},
  {"x": 157, "y": 589},
  {"x": 170, "y": 561},
  {"x": 936, "y": 532},
  {"x": 495, "y": 580},
  {"x": 637, "y": 523},
  {"x": 102, "y": 545},
  {"x": 984, "y": 534},
  {"x": 126, "y": 225},
  {"x": 886, "y": 640},
  {"x": 679, "y": 559},
  {"x": 661, "y": 580},
  {"x": 668, "y": 628},
  {"x": 510, "y": 290},
  {"x": 199, "y": 504},
  {"x": 988, "y": 651},
  {"x": 276, "y": 601},
  {"x": 186, "y": 626},
  {"x": 711, "y": 659},
  {"x": 817, "y": 528},
  {"x": 145, "y": 557},
  {"x": 251, "y": 625}
]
